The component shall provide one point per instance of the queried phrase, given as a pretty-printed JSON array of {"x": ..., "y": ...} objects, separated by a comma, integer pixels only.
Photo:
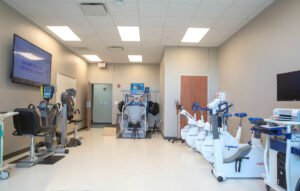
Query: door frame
[
  {"x": 179, "y": 94},
  {"x": 92, "y": 102}
]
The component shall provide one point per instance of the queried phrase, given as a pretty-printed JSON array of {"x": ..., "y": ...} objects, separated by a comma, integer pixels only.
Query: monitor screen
[
  {"x": 288, "y": 86},
  {"x": 31, "y": 64},
  {"x": 137, "y": 89}
]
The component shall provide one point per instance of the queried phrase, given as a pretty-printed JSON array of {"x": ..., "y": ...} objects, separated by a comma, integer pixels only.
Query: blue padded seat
[{"x": 240, "y": 115}]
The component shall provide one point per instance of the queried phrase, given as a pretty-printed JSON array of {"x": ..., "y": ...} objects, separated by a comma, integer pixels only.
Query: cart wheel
[
  {"x": 4, "y": 175},
  {"x": 66, "y": 151},
  {"x": 182, "y": 141},
  {"x": 268, "y": 188},
  {"x": 169, "y": 140},
  {"x": 220, "y": 179}
]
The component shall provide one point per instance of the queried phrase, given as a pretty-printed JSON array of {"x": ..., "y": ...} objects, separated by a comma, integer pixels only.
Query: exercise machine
[
  {"x": 4, "y": 174},
  {"x": 191, "y": 120},
  {"x": 43, "y": 124},
  {"x": 246, "y": 162},
  {"x": 230, "y": 143},
  {"x": 197, "y": 129},
  {"x": 68, "y": 112},
  {"x": 282, "y": 150},
  {"x": 134, "y": 122}
]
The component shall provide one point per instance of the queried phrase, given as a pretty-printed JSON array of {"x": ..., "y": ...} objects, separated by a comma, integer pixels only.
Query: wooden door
[
  {"x": 193, "y": 89},
  {"x": 89, "y": 106}
]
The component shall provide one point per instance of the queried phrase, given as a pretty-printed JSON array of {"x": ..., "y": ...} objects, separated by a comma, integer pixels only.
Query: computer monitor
[{"x": 47, "y": 92}]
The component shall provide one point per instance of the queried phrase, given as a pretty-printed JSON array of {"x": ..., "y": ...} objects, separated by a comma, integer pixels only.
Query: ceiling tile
[
  {"x": 152, "y": 21},
  {"x": 202, "y": 22},
  {"x": 152, "y": 10},
  {"x": 126, "y": 21},
  {"x": 239, "y": 12},
  {"x": 162, "y": 23},
  {"x": 217, "y": 2},
  {"x": 177, "y": 21},
  {"x": 111, "y": 30},
  {"x": 128, "y": 9},
  {"x": 74, "y": 20},
  {"x": 249, "y": 2},
  {"x": 184, "y": 10},
  {"x": 100, "y": 21},
  {"x": 211, "y": 11},
  {"x": 229, "y": 23}
]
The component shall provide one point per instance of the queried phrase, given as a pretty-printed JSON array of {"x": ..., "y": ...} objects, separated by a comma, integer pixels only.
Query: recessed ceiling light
[
  {"x": 129, "y": 33},
  {"x": 92, "y": 57},
  {"x": 64, "y": 32},
  {"x": 135, "y": 58},
  {"x": 194, "y": 35}
]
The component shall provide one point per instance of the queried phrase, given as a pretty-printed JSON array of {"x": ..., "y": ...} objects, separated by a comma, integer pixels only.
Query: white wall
[
  {"x": 124, "y": 74},
  {"x": 184, "y": 61},
  {"x": 250, "y": 60},
  {"x": 16, "y": 95}
]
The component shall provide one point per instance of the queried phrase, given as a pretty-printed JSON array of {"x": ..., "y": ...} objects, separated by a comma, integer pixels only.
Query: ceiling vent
[
  {"x": 81, "y": 48},
  {"x": 115, "y": 48},
  {"x": 94, "y": 9}
]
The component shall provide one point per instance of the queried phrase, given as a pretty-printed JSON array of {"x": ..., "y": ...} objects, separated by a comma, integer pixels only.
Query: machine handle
[{"x": 31, "y": 106}]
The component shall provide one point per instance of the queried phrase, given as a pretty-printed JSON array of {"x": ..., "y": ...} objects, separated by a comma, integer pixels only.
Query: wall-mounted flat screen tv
[
  {"x": 288, "y": 86},
  {"x": 31, "y": 64}
]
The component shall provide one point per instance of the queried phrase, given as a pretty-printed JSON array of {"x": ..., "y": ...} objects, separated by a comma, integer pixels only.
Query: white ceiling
[{"x": 162, "y": 23}]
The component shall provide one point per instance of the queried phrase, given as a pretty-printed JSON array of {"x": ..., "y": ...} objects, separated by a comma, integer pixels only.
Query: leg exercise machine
[
  {"x": 134, "y": 122},
  {"x": 68, "y": 112},
  {"x": 191, "y": 120},
  {"x": 43, "y": 124},
  {"x": 4, "y": 174},
  {"x": 230, "y": 143},
  {"x": 246, "y": 162},
  {"x": 195, "y": 130},
  {"x": 282, "y": 150}
]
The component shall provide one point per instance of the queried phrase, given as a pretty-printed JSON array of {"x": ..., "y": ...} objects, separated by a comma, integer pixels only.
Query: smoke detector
[{"x": 94, "y": 9}]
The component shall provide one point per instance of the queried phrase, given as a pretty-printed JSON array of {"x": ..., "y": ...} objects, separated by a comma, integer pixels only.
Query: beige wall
[
  {"x": 16, "y": 95},
  {"x": 124, "y": 74},
  {"x": 250, "y": 60},
  {"x": 179, "y": 61}
]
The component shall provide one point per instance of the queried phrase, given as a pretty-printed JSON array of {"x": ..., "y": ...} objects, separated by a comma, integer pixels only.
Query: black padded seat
[{"x": 28, "y": 123}]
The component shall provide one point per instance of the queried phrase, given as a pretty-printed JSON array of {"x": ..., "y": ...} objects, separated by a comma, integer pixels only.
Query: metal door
[{"x": 102, "y": 103}]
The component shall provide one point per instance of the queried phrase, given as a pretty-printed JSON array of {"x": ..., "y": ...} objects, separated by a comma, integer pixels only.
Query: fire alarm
[{"x": 101, "y": 64}]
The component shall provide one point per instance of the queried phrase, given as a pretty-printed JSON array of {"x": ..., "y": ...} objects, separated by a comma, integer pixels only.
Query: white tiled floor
[{"x": 110, "y": 164}]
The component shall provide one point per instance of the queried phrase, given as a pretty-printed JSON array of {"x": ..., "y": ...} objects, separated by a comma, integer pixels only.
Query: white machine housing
[{"x": 285, "y": 114}]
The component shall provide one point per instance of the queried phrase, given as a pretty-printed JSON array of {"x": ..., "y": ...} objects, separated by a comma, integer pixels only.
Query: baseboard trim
[
  {"x": 21, "y": 151},
  {"x": 16, "y": 153}
]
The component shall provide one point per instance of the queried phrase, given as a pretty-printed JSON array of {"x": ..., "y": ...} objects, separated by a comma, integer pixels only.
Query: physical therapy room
[{"x": 144, "y": 95}]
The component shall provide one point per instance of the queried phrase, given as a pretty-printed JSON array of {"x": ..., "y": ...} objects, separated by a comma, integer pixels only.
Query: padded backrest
[
  {"x": 135, "y": 113},
  {"x": 27, "y": 122}
]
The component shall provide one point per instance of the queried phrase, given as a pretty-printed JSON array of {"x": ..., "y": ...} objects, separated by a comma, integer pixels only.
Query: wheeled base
[{"x": 4, "y": 174}]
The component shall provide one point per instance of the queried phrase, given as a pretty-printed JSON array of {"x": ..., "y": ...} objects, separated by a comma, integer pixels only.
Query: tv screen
[
  {"x": 31, "y": 64},
  {"x": 288, "y": 86},
  {"x": 137, "y": 88}
]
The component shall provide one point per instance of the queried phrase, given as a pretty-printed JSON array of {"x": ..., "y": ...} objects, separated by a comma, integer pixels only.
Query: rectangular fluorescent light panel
[
  {"x": 194, "y": 35},
  {"x": 129, "y": 33},
  {"x": 92, "y": 58},
  {"x": 135, "y": 58},
  {"x": 64, "y": 32}
]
